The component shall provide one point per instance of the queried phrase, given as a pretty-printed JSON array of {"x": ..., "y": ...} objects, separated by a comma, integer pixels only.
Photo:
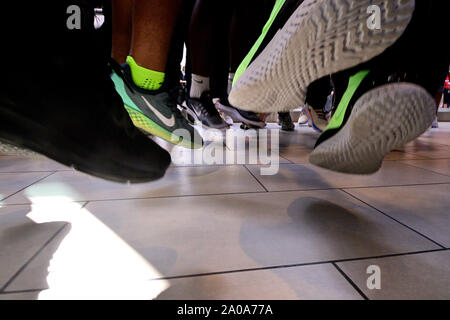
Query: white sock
[
  {"x": 199, "y": 84},
  {"x": 230, "y": 81}
]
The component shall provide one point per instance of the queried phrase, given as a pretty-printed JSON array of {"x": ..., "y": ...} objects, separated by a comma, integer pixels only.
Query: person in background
[{"x": 221, "y": 34}]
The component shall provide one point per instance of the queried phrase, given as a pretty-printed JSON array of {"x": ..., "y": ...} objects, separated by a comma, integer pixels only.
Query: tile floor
[{"x": 225, "y": 231}]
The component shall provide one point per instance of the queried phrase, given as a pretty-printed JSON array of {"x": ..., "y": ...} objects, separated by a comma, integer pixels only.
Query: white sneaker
[{"x": 303, "y": 120}]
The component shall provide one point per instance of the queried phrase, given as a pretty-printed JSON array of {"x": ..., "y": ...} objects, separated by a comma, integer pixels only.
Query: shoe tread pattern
[
  {"x": 321, "y": 37},
  {"x": 382, "y": 120}
]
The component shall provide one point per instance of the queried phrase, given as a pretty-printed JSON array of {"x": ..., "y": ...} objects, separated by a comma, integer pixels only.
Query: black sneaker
[
  {"x": 205, "y": 112},
  {"x": 246, "y": 117},
  {"x": 285, "y": 121},
  {"x": 387, "y": 101},
  {"x": 60, "y": 102}
]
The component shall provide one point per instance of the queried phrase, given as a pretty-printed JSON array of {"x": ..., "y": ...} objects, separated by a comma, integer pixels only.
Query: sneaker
[
  {"x": 370, "y": 122},
  {"x": 205, "y": 112},
  {"x": 285, "y": 121},
  {"x": 435, "y": 124},
  {"x": 316, "y": 119},
  {"x": 67, "y": 109},
  {"x": 187, "y": 114},
  {"x": 155, "y": 112},
  {"x": 280, "y": 14},
  {"x": 303, "y": 119},
  {"x": 222, "y": 114},
  {"x": 329, "y": 107},
  {"x": 316, "y": 47},
  {"x": 246, "y": 117},
  {"x": 320, "y": 103},
  {"x": 389, "y": 101}
]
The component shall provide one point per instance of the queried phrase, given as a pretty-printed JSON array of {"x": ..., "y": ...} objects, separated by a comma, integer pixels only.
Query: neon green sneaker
[{"x": 315, "y": 41}]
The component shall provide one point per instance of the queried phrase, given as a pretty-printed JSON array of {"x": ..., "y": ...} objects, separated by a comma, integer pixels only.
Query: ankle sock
[
  {"x": 199, "y": 84},
  {"x": 144, "y": 78}
]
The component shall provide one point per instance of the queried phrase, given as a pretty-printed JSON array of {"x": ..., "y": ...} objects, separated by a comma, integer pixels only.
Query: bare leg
[
  {"x": 121, "y": 29},
  {"x": 153, "y": 25}
]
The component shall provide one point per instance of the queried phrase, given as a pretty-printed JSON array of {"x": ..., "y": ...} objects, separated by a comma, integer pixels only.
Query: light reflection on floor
[{"x": 92, "y": 262}]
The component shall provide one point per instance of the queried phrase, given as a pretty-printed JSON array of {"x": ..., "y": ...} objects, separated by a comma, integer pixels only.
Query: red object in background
[{"x": 447, "y": 83}]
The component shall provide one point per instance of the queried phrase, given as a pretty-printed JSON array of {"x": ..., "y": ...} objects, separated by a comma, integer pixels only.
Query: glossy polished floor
[{"x": 229, "y": 232}]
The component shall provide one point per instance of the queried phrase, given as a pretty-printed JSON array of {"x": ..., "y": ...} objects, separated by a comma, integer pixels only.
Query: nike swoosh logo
[
  {"x": 199, "y": 81},
  {"x": 170, "y": 122}
]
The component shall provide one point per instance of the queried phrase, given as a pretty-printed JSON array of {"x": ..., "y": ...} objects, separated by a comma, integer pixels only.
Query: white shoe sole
[
  {"x": 321, "y": 37},
  {"x": 382, "y": 120}
]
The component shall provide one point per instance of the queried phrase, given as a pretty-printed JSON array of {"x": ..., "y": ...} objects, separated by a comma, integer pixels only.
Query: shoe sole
[
  {"x": 11, "y": 150},
  {"x": 320, "y": 38},
  {"x": 382, "y": 120},
  {"x": 234, "y": 114},
  {"x": 187, "y": 113},
  {"x": 144, "y": 123}
]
